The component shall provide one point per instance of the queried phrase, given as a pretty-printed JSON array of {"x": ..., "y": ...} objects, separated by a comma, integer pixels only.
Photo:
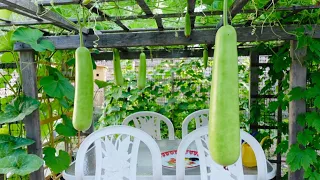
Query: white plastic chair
[
  {"x": 116, "y": 152},
  {"x": 211, "y": 170},
  {"x": 150, "y": 122},
  {"x": 201, "y": 118}
]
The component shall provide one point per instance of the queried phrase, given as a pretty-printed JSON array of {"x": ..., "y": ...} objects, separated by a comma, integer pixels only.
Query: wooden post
[
  {"x": 298, "y": 78},
  {"x": 32, "y": 121},
  {"x": 254, "y": 83}
]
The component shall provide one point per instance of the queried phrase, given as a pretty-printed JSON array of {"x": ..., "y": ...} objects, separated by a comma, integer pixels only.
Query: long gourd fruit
[
  {"x": 142, "y": 75},
  {"x": 83, "y": 101},
  {"x": 187, "y": 28},
  {"x": 117, "y": 68},
  {"x": 224, "y": 125},
  {"x": 205, "y": 57}
]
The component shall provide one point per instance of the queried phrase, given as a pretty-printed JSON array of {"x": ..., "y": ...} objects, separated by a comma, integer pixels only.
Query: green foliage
[
  {"x": 186, "y": 94},
  {"x": 66, "y": 128},
  {"x": 57, "y": 163},
  {"x": 32, "y": 37},
  {"x": 18, "y": 109},
  {"x": 298, "y": 158},
  {"x": 14, "y": 159},
  {"x": 15, "y": 142},
  {"x": 6, "y": 42},
  {"x": 57, "y": 86}
]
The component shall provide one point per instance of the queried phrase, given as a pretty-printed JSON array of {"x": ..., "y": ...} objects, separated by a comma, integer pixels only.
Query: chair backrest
[
  {"x": 150, "y": 122},
  {"x": 210, "y": 169},
  {"x": 116, "y": 151},
  {"x": 200, "y": 117}
]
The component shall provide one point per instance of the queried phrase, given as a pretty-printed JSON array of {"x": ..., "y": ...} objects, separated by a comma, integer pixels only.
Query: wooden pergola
[{"x": 160, "y": 36}]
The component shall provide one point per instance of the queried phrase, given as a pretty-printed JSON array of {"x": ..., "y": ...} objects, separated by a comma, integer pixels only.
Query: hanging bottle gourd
[
  {"x": 187, "y": 25},
  {"x": 83, "y": 99},
  {"x": 205, "y": 57},
  {"x": 118, "y": 78},
  {"x": 224, "y": 125},
  {"x": 142, "y": 74}
]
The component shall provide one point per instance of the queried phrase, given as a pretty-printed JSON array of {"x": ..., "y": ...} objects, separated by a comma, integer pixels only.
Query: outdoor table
[{"x": 144, "y": 166}]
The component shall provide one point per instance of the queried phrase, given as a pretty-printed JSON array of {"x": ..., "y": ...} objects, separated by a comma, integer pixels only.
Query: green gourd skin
[
  {"x": 86, "y": 2},
  {"x": 205, "y": 58},
  {"x": 83, "y": 101},
  {"x": 117, "y": 68},
  {"x": 224, "y": 123},
  {"x": 142, "y": 75},
  {"x": 187, "y": 29}
]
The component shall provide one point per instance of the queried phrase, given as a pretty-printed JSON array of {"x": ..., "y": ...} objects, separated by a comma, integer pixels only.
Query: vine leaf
[
  {"x": 15, "y": 142},
  {"x": 297, "y": 158},
  {"x": 19, "y": 109},
  {"x": 101, "y": 84},
  {"x": 32, "y": 37},
  {"x": 305, "y": 137},
  {"x": 56, "y": 163},
  {"x": 7, "y": 57},
  {"x": 297, "y": 93},
  {"x": 57, "y": 86},
  {"x": 317, "y": 102},
  {"x": 21, "y": 164},
  {"x": 311, "y": 175},
  {"x": 6, "y": 43},
  {"x": 313, "y": 120},
  {"x": 66, "y": 128},
  {"x": 282, "y": 147}
]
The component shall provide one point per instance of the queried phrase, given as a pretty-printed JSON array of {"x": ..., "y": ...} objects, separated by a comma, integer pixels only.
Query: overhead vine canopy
[{"x": 60, "y": 16}]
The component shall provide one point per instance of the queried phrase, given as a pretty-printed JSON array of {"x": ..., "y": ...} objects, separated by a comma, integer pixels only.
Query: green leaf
[
  {"x": 273, "y": 106},
  {"x": 297, "y": 93},
  {"x": 282, "y": 147},
  {"x": 94, "y": 65},
  {"x": 315, "y": 78},
  {"x": 5, "y": 150},
  {"x": 113, "y": 109},
  {"x": 312, "y": 92},
  {"x": 57, "y": 87},
  {"x": 66, "y": 128},
  {"x": 21, "y": 164},
  {"x": 71, "y": 62},
  {"x": 15, "y": 142},
  {"x": 101, "y": 84},
  {"x": 56, "y": 163},
  {"x": 313, "y": 120},
  {"x": 311, "y": 174},
  {"x": 32, "y": 37},
  {"x": 317, "y": 102},
  {"x": 7, "y": 57},
  {"x": 298, "y": 158},
  {"x": 19, "y": 109},
  {"x": 6, "y": 43},
  {"x": 305, "y": 137}
]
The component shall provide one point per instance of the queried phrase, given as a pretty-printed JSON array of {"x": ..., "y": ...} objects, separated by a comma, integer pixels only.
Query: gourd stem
[
  {"x": 81, "y": 37},
  {"x": 225, "y": 12}
]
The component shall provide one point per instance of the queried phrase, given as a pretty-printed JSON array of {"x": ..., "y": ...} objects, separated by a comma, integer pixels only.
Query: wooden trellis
[{"x": 161, "y": 36}]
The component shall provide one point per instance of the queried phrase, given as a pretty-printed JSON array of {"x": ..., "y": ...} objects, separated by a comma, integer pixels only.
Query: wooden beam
[
  {"x": 175, "y": 53},
  {"x": 55, "y": 18},
  {"x": 105, "y": 16},
  {"x": 298, "y": 78},
  {"x": 59, "y": 2},
  {"x": 149, "y": 13},
  {"x": 254, "y": 89},
  {"x": 190, "y": 8},
  {"x": 18, "y": 11},
  {"x": 32, "y": 121},
  {"x": 168, "y": 38},
  {"x": 236, "y": 8}
]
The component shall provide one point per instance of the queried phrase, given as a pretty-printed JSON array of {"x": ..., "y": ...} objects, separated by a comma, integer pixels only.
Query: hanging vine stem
[{"x": 225, "y": 12}]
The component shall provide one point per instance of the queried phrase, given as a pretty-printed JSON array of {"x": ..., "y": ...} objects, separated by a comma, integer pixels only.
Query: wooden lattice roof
[{"x": 249, "y": 30}]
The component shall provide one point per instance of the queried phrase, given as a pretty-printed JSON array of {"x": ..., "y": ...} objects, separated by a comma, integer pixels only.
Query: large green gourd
[
  {"x": 83, "y": 101},
  {"x": 117, "y": 68},
  {"x": 142, "y": 74},
  {"x": 224, "y": 125}
]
